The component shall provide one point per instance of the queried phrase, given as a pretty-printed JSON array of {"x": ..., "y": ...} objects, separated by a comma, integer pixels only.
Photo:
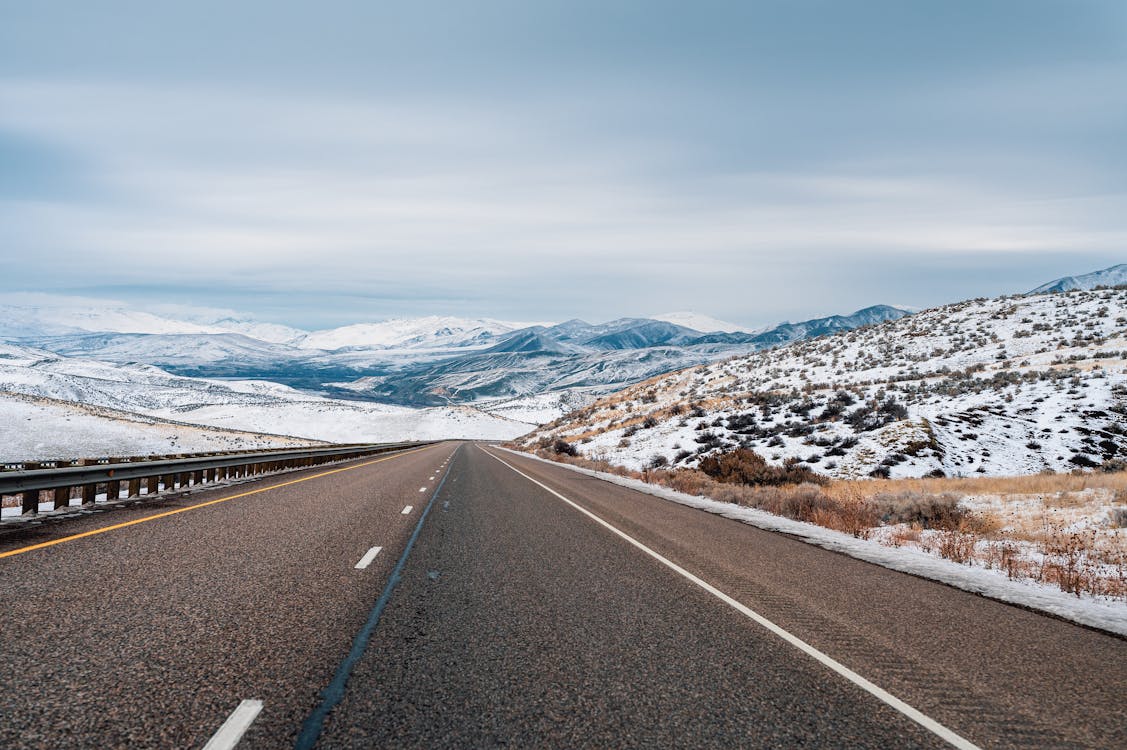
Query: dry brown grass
[
  {"x": 927, "y": 513},
  {"x": 1033, "y": 484}
]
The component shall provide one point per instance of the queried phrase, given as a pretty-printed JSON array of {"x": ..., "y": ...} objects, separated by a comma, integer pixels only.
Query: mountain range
[
  {"x": 82, "y": 376},
  {"x": 415, "y": 362}
]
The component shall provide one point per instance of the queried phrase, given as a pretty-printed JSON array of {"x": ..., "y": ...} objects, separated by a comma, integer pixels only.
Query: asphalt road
[
  {"x": 517, "y": 620},
  {"x": 151, "y": 635}
]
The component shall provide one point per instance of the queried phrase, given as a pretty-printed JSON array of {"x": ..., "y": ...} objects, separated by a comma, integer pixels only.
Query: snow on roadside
[
  {"x": 1104, "y": 615},
  {"x": 41, "y": 429}
]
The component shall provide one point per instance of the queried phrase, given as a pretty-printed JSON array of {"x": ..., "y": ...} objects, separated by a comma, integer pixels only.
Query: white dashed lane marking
[
  {"x": 366, "y": 560},
  {"x": 236, "y": 725}
]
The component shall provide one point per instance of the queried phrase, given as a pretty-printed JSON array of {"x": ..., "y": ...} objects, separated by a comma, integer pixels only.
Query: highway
[{"x": 510, "y": 603}]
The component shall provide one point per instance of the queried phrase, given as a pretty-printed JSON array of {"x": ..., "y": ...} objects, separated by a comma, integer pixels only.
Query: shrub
[
  {"x": 1113, "y": 465},
  {"x": 564, "y": 448},
  {"x": 957, "y": 546},
  {"x": 874, "y": 415},
  {"x": 745, "y": 466},
  {"x": 929, "y": 511}
]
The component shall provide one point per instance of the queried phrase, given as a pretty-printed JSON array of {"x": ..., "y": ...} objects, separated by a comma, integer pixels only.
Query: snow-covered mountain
[
  {"x": 431, "y": 361},
  {"x": 704, "y": 323},
  {"x": 185, "y": 351},
  {"x": 1011, "y": 385},
  {"x": 33, "y": 316},
  {"x": 595, "y": 359},
  {"x": 786, "y": 332},
  {"x": 26, "y": 321},
  {"x": 1114, "y": 276},
  {"x": 271, "y": 333},
  {"x": 431, "y": 332}
]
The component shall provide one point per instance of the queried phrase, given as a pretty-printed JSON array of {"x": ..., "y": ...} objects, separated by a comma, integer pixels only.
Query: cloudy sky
[{"x": 323, "y": 163}]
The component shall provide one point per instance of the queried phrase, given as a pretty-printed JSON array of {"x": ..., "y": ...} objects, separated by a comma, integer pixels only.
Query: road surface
[{"x": 531, "y": 607}]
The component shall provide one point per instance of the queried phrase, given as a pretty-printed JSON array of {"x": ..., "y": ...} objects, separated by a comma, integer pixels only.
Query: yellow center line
[{"x": 72, "y": 537}]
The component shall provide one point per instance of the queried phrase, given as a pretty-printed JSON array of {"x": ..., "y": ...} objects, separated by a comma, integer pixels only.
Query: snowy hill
[
  {"x": 18, "y": 321},
  {"x": 787, "y": 332},
  {"x": 271, "y": 333},
  {"x": 703, "y": 323},
  {"x": 990, "y": 386},
  {"x": 144, "y": 393},
  {"x": 184, "y": 350},
  {"x": 432, "y": 332},
  {"x": 1114, "y": 276},
  {"x": 41, "y": 429},
  {"x": 41, "y": 315},
  {"x": 492, "y": 375}
]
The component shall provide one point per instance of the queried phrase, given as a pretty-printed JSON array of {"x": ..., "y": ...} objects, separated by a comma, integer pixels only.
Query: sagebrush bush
[
  {"x": 564, "y": 448},
  {"x": 745, "y": 466},
  {"x": 928, "y": 511}
]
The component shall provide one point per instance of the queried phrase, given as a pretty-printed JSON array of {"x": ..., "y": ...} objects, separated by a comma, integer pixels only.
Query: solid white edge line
[
  {"x": 881, "y": 694},
  {"x": 366, "y": 560},
  {"x": 236, "y": 725},
  {"x": 406, "y": 509}
]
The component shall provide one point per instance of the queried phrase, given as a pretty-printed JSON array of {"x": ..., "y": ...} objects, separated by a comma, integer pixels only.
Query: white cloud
[{"x": 211, "y": 186}]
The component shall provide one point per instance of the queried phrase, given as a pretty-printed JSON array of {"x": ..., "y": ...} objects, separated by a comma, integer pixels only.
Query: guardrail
[{"x": 86, "y": 481}]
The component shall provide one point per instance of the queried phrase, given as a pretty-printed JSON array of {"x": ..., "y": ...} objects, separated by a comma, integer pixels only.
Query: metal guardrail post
[
  {"x": 62, "y": 497},
  {"x": 86, "y": 478}
]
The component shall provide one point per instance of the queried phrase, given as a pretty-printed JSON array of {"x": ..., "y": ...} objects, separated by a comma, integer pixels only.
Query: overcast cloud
[{"x": 323, "y": 163}]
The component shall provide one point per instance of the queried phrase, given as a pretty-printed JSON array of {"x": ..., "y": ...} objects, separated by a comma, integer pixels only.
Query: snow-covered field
[
  {"x": 38, "y": 429},
  {"x": 353, "y": 421},
  {"x": 1001, "y": 386},
  {"x": 140, "y": 393}
]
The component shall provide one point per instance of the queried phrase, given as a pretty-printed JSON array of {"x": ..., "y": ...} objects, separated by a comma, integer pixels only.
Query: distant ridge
[{"x": 1113, "y": 276}]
